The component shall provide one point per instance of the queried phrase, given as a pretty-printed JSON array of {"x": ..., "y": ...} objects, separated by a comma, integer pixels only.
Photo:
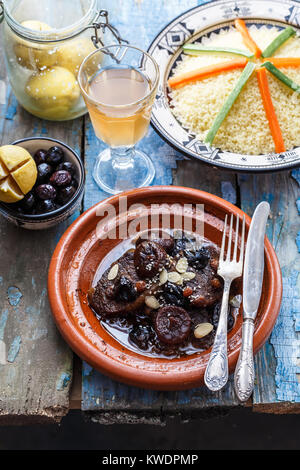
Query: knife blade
[
  {"x": 254, "y": 260},
  {"x": 252, "y": 287}
]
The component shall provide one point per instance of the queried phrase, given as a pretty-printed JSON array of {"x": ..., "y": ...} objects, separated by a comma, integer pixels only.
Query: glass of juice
[{"x": 119, "y": 84}]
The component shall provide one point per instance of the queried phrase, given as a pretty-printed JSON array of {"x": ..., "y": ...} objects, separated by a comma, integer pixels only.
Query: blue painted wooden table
[{"x": 35, "y": 378}]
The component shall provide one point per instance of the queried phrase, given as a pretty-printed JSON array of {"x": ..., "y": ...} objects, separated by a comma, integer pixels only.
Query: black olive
[
  {"x": 55, "y": 156},
  {"x": 67, "y": 166},
  {"x": 28, "y": 202},
  {"x": 45, "y": 191},
  {"x": 40, "y": 156},
  {"x": 44, "y": 172},
  {"x": 61, "y": 178},
  {"x": 140, "y": 335},
  {"x": 46, "y": 206},
  {"x": 125, "y": 290},
  {"x": 65, "y": 194}
]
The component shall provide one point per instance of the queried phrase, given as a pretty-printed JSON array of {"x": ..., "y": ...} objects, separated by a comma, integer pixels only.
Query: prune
[
  {"x": 65, "y": 194},
  {"x": 40, "y": 156},
  {"x": 180, "y": 244},
  {"x": 61, "y": 178},
  {"x": 67, "y": 166},
  {"x": 140, "y": 335},
  {"x": 28, "y": 202},
  {"x": 172, "y": 324},
  {"x": 46, "y": 206},
  {"x": 149, "y": 258},
  {"x": 125, "y": 290},
  {"x": 44, "y": 172},
  {"x": 173, "y": 294},
  {"x": 54, "y": 156},
  {"x": 199, "y": 259},
  {"x": 216, "y": 315},
  {"x": 45, "y": 191}
]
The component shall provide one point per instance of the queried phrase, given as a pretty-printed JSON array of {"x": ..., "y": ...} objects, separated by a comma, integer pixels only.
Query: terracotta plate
[{"x": 75, "y": 263}]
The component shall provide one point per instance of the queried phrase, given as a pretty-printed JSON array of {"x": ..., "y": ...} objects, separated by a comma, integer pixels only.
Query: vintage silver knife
[{"x": 252, "y": 286}]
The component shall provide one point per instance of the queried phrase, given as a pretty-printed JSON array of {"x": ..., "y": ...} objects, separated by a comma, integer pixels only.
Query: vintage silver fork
[{"x": 216, "y": 374}]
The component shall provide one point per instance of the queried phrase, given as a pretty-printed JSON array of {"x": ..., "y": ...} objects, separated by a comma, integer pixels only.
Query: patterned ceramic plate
[{"x": 190, "y": 26}]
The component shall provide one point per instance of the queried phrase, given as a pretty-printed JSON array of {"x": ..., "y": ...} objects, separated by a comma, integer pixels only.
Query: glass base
[{"x": 116, "y": 171}]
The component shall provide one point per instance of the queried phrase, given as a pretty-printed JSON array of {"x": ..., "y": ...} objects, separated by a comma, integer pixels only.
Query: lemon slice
[
  {"x": 9, "y": 191},
  {"x": 18, "y": 173}
]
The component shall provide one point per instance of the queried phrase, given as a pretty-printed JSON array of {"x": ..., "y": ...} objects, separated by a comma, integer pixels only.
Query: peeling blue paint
[
  {"x": 63, "y": 381},
  {"x": 296, "y": 175},
  {"x": 14, "y": 295},
  {"x": 1, "y": 280},
  {"x": 14, "y": 349},
  {"x": 287, "y": 385},
  {"x": 298, "y": 241},
  {"x": 3, "y": 320},
  {"x": 228, "y": 192}
]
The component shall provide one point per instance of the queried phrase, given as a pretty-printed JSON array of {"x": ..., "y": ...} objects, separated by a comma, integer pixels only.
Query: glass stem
[{"x": 122, "y": 158}]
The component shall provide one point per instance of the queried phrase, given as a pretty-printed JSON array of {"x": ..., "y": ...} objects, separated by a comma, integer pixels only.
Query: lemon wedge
[
  {"x": 18, "y": 173},
  {"x": 9, "y": 191}
]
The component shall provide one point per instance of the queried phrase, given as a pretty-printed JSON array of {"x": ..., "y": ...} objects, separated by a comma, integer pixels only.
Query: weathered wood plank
[
  {"x": 108, "y": 400},
  {"x": 36, "y": 365},
  {"x": 277, "y": 365}
]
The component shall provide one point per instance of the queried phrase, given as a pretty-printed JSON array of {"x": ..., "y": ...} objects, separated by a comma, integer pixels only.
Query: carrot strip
[
  {"x": 270, "y": 110},
  {"x": 285, "y": 61},
  {"x": 248, "y": 41},
  {"x": 205, "y": 72}
]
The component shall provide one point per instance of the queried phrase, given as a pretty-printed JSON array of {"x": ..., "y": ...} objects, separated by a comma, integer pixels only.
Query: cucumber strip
[
  {"x": 196, "y": 49},
  {"x": 278, "y": 41},
  {"x": 244, "y": 77},
  {"x": 281, "y": 76}
]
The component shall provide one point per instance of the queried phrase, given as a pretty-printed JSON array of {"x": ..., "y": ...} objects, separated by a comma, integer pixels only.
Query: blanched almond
[
  {"x": 188, "y": 276},
  {"x": 182, "y": 265},
  {"x": 152, "y": 302},
  {"x": 113, "y": 272},
  {"x": 203, "y": 329},
  {"x": 174, "y": 277},
  {"x": 163, "y": 277}
]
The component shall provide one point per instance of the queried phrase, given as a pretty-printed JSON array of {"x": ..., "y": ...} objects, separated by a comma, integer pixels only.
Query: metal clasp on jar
[
  {"x": 103, "y": 25},
  {"x": 1, "y": 12}
]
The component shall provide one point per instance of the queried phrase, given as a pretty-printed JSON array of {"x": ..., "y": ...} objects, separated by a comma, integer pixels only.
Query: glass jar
[{"x": 45, "y": 42}]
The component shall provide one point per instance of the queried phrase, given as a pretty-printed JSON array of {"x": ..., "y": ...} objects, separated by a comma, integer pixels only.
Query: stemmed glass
[{"x": 118, "y": 84}]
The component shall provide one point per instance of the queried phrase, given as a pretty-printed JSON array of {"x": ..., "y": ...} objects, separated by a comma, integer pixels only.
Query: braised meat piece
[
  {"x": 118, "y": 295},
  {"x": 206, "y": 285}
]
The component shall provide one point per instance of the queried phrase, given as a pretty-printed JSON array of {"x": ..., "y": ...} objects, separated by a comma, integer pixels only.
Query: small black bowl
[{"x": 49, "y": 219}]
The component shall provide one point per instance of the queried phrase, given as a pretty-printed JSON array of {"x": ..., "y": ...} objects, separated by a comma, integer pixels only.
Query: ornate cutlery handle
[
  {"x": 244, "y": 372},
  {"x": 216, "y": 374}
]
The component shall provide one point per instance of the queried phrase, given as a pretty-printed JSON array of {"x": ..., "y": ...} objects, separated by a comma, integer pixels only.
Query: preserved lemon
[
  {"x": 54, "y": 92},
  {"x": 71, "y": 54},
  {"x": 18, "y": 173},
  {"x": 31, "y": 55}
]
